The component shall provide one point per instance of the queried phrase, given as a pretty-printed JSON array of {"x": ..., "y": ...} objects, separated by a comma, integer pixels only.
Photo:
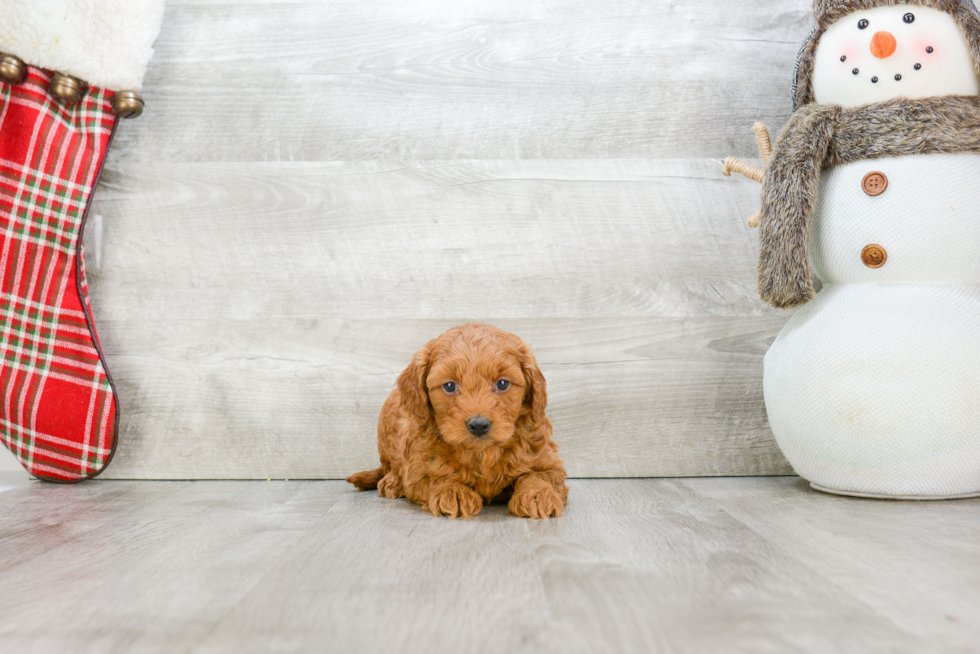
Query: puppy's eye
[
  {"x": 502, "y": 384},
  {"x": 909, "y": 18},
  {"x": 862, "y": 24},
  {"x": 449, "y": 387}
]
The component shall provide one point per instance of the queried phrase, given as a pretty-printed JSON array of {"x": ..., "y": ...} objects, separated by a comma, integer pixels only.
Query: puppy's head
[{"x": 479, "y": 386}]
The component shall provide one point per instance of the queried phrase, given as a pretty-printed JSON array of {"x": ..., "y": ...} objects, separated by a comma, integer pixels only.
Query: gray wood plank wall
[{"x": 318, "y": 187}]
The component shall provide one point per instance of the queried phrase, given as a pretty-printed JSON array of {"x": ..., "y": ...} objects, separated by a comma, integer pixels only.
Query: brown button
[
  {"x": 874, "y": 256},
  {"x": 874, "y": 183}
]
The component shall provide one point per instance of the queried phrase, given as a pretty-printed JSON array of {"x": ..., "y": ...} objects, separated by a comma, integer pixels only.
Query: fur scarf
[{"x": 818, "y": 136}]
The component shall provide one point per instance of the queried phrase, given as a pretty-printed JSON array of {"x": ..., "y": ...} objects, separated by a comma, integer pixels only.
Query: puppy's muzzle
[{"x": 478, "y": 426}]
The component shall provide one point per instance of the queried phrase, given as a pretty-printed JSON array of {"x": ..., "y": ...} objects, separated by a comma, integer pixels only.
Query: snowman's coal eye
[
  {"x": 909, "y": 18},
  {"x": 862, "y": 24}
]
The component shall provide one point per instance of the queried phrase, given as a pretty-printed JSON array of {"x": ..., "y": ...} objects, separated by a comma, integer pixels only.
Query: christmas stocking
[{"x": 70, "y": 69}]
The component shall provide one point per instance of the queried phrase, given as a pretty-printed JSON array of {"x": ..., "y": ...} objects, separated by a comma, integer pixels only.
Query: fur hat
[{"x": 827, "y": 12}]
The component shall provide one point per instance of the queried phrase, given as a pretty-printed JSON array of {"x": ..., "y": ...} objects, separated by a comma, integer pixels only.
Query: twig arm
[
  {"x": 762, "y": 138},
  {"x": 731, "y": 164}
]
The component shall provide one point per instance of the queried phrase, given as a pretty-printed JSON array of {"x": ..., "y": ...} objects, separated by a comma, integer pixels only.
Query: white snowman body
[{"x": 873, "y": 387}]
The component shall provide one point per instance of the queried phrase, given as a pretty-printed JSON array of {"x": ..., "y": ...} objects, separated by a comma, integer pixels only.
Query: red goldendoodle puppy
[{"x": 467, "y": 424}]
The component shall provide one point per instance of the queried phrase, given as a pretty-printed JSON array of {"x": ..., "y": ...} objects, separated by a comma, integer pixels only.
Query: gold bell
[
  {"x": 127, "y": 104},
  {"x": 12, "y": 69},
  {"x": 66, "y": 88}
]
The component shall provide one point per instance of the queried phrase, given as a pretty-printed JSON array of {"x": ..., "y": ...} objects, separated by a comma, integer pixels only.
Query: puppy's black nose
[{"x": 478, "y": 426}]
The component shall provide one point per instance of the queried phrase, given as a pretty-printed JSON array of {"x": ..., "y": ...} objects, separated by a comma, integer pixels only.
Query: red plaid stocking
[{"x": 57, "y": 404}]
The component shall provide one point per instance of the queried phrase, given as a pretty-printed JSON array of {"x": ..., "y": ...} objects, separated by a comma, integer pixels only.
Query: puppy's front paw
[
  {"x": 454, "y": 501},
  {"x": 538, "y": 501},
  {"x": 390, "y": 487}
]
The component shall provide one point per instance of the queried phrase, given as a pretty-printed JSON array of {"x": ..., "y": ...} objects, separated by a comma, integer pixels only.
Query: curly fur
[
  {"x": 429, "y": 456},
  {"x": 827, "y": 12},
  {"x": 828, "y": 135}
]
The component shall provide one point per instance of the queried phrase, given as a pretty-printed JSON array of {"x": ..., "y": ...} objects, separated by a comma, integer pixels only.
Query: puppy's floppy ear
[
  {"x": 411, "y": 383},
  {"x": 536, "y": 389}
]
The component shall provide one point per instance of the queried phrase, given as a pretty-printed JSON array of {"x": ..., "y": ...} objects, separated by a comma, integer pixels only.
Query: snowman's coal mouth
[
  {"x": 874, "y": 78},
  {"x": 898, "y": 76}
]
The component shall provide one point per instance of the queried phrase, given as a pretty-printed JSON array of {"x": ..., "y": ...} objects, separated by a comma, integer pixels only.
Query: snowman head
[{"x": 866, "y": 51}]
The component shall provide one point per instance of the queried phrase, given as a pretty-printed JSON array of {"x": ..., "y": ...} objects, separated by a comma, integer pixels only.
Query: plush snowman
[{"x": 873, "y": 386}]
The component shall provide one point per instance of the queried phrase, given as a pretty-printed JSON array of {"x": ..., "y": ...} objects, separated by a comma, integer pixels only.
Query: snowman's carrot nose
[{"x": 883, "y": 45}]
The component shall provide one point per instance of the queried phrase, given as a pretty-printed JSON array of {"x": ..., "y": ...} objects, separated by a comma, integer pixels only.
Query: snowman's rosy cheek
[
  {"x": 847, "y": 55},
  {"x": 921, "y": 45}
]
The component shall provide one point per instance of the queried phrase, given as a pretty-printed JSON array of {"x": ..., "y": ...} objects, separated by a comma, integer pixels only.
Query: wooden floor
[{"x": 669, "y": 565}]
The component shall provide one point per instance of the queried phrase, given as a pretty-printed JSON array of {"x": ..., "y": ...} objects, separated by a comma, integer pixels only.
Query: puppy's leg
[
  {"x": 384, "y": 478},
  {"x": 539, "y": 495},
  {"x": 368, "y": 479},
  {"x": 453, "y": 499},
  {"x": 391, "y": 486}
]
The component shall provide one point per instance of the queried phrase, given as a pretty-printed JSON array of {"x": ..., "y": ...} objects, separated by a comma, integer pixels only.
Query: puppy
[{"x": 466, "y": 424}]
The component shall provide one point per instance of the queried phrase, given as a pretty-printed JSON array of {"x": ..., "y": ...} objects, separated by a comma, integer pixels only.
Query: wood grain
[
  {"x": 140, "y": 567},
  {"x": 317, "y": 188},
  {"x": 460, "y": 79},
  {"x": 270, "y": 307},
  {"x": 841, "y": 538},
  {"x": 679, "y": 565}
]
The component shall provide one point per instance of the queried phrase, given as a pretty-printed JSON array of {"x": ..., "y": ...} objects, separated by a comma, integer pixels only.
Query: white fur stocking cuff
[{"x": 107, "y": 43}]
